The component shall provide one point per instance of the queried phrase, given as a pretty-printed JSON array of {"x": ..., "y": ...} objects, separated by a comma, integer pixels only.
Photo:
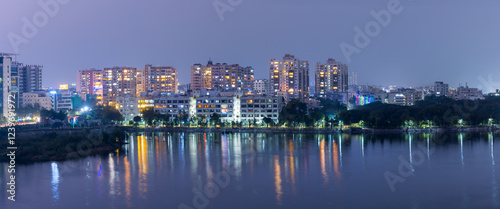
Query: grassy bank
[{"x": 55, "y": 146}]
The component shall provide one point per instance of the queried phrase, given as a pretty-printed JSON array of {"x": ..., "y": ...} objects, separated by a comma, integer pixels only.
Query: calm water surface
[{"x": 249, "y": 170}]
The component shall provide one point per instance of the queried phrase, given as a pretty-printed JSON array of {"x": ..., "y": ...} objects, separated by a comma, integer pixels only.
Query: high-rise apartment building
[
  {"x": 221, "y": 77},
  {"x": 118, "y": 82},
  {"x": 5, "y": 83},
  {"x": 90, "y": 82},
  {"x": 160, "y": 79},
  {"x": 331, "y": 76},
  {"x": 289, "y": 77},
  {"x": 140, "y": 81}
]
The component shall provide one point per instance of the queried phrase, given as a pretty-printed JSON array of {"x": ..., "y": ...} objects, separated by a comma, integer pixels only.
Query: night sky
[{"x": 455, "y": 41}]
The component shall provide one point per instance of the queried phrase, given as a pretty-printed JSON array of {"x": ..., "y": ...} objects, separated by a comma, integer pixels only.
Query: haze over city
[{"x": 454, "y": 41}]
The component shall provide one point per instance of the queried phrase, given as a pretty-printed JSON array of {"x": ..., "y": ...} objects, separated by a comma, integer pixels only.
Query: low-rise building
[
  {"x": 40, "y": 99},
  {"x": 128, "y": 107},
  {"x": 231, "y": 106},
  {"x": 495, "y": 94},
  {"x": 261, "y": 86},
  {"x": 466, "y": 93}
]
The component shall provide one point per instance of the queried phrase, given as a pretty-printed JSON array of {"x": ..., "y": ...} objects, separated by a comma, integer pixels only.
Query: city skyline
[{"x": 408, "y": 51}]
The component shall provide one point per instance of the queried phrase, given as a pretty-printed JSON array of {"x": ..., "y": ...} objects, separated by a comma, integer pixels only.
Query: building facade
[
  {"x": 261, "y": 86},
  {"x": 160, "y": 79},
  {"x": 441, "y": 89},
  {"x": 330, "y": 76},
  {"x": 118, "y": 82},
  {"x": 29, "y": 78},
  {"x": 5, "y": 83},
  {"x": 289, "y": 78},
  {"x": 128, "y": 107},
  {"x": 232, "y": 107},
  {"x": 41, "y": 99},
  {"x": 90, "y": 82},
  {"x": 466, "y": 93},
  {"x": 221, "y": 77},
  {"x": 140, "y": 82}
]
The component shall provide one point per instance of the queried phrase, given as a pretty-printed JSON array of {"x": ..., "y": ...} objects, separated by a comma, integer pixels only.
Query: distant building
[
  {"x": 160, "y": 79},
  {"x": 90, "y": 82},
  {"x": 353, "y": 78},
  {"x": 128, "y": 107},
  {"x": 29, "y": 78},
  {"x": 5, "y": 81},
  {"x": 403, "y": 96},
  {"x": 41, "y": 99},
  {"x": 441, "y": 89},
  {"x": 289, "y": 78},
  {"x": 184, "y": 88},
  {"x": 221, "y": 77},
  {"x": 261, "y": 86},
  {"x": 466, "y": 93},
  {"x": 396, "y": 98},
  {"x": 62, "y": 100},
  {"x": 140, "y": 81},
  {"x": 495, "y": 94},
  {"x": 331, "y": 76},
  {"x": 231, "y": 106},
  {"x": 118, "y": 82}
]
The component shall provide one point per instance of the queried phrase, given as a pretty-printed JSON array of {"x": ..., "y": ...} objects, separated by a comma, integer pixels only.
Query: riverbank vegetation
[
  {"x": 52, "y": 146},
  {"x": 431, "y": 112}
]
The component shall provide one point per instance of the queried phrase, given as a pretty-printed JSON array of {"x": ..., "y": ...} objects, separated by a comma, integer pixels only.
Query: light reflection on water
[
  {"x": 161, "y": 170},
  {"x": 55, "y": 182}
]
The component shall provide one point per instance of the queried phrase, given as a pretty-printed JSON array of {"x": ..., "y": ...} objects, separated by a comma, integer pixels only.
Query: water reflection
[
  {"x": 336, "y": 160},
  {"x": 322, "y": 157},
  {"x": 142, "y": 155},
  {"x": 128, "y": 191},
  {"x": 55, "y": 181},
  {"x": 461, "y": 139},
  {"x": 494, "y": 188},
  {"x": 277, "y": 179},
  {"x": 278, "y": 170}
]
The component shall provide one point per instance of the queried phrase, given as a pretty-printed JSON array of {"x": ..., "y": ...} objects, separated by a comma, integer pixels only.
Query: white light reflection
[
  {"x": 494, "y": 188},
  {"x": 55, "y": 181},
  {"x": 462, "y": 148},
  {"x": 411, "y": 158},
  {"x": 111, "y": 164}
]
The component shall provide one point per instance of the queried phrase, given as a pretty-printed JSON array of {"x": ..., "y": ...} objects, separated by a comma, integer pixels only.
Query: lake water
[{"x": 256, "y": 170}]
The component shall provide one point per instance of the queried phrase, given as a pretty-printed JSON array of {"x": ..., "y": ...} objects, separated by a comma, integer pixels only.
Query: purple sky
[{"x": 455, "y": 41}]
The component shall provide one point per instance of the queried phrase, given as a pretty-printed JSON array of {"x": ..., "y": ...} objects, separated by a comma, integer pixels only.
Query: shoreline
[{"x": 34, "y": 132}]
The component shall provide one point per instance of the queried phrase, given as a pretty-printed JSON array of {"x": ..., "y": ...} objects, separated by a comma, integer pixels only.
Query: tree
[
  {"x": 294, "y": 112},
  {"x": 215, "y": 119},
  {"x": 268, "y": 121},
  {"x": 111, "y": 114},
  {"x": 137, "y": 119},
  {"x": 149, "y": 115}
]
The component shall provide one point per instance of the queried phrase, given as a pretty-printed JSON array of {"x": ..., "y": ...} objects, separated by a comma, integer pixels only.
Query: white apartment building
[
  {"x": 128, "y": 107},
  {"x": 231, "y": 106},
  {"x": 466, "y": 93},
  {"x": 261, "y": 86}
]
